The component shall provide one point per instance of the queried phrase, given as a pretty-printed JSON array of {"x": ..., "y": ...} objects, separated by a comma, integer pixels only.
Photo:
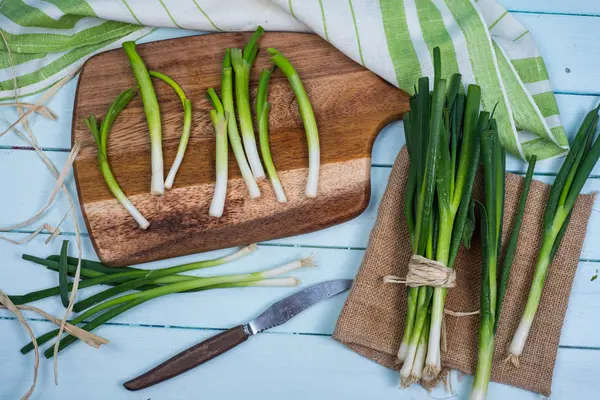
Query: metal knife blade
[
  {"x": 284, "y": 310},
  {"x": 277, "y": 314}
]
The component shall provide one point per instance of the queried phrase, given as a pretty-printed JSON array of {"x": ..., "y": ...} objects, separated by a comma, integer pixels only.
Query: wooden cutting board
[{"x": 351, "y": 106}]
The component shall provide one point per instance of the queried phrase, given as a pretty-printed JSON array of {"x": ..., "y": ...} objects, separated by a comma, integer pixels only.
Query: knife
[{"x": 279, "y": 313}]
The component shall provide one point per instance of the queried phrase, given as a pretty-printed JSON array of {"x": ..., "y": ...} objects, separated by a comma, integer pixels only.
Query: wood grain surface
[{"x": 351, "y": 106}]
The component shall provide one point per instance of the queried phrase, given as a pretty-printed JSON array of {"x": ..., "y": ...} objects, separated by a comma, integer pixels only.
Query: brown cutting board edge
[{"x": 351, "y": 106}]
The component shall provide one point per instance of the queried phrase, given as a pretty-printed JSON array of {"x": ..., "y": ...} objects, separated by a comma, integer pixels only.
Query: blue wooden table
[{"x": 298, "y": 360}]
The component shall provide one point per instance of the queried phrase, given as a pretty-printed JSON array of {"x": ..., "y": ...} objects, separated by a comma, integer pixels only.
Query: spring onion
[
  {"x": 120, "y": 275},
  {"x": 308, "y": 119},
  {"x": 101, "y": 137},
  {"x": 232, "y": 129},
  {"x": 491, "y": 238},
  {"x": 569, "y": 182},
  {"x": 242, "y": 63},
  {"x": 117, "y": 306},
  {"x": 187, "y": 125},
  {"x": 154, "y": 277},
  {"x": 219, "y": 119},
  {"x": 152, "y": 111},
  {"x": 63, "y": 280},
  {"x": 442, "y": 136},
  {"x": 262, "y": 115}
]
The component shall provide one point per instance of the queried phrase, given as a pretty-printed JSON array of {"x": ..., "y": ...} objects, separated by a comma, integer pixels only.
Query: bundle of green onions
[
  {"x": 101, "y": 137},
  {"x": 442, "y": 131},
  {"x": 262, "y": 115},
  {"x": 242, "y": 63},
  {"x": 308, "y": 119},
  {"x": 187, "y": 124},
  {"x": 219, "y": 119},
  {"x": 492, "y": 213},
  {"x": 568, "y": 184},
  {"x": 149, "y": 284},
  {"x": 152, "y": 111}
]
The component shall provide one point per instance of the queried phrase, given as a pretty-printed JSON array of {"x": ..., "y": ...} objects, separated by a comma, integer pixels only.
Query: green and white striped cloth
[{"x": 394, "y": 38}]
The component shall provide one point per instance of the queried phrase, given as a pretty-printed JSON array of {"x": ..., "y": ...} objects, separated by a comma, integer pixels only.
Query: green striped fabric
[{"x": 49, "y": 39}]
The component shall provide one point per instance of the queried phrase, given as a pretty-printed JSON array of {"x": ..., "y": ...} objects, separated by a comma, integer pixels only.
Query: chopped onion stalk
[
  {"x": 262, "y": 114},
  {"x": 187, "y": 124},
  {"x": 308, "y": 119},
  {"x": 232, "y": 129},
  {"x": 101, "y": 138},
  {"x": 219, "y": 119},
  {"x": 568, "y": 184},
  {"x": 242, "y": 63},
  {"x": 152, "y": 111},
  {"x": 119, "y": 305}
]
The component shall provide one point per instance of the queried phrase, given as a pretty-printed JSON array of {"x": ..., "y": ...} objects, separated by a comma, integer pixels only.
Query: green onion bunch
[
  {"x": 569, "y": 182},
  {"x": 492, "y": 214},
  {"x": 442, "y": 135},
  {"x": 130, "y": 287}
]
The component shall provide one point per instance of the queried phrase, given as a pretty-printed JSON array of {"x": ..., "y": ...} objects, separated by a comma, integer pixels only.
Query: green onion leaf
[{"x": 63, "y": 280}]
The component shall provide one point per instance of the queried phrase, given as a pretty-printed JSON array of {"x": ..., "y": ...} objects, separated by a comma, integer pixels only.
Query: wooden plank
[
  {"x": 351, "y": 105},
  {"x": 268, "y": 366},
  {"x": 553, "y": 6},
  {"x": 28, "y": 184},
  {"x": 236, "y": 306}
]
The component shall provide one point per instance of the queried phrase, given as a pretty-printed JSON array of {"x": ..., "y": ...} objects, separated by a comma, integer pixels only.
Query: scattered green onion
[
  {"x": 232, "y": 129},
  {"x": 63, "y": 280},
  {"x": 308, "y": 119},
  {"x": 101, "y": 138},
  {"x": 117, "y": 306},
  {"x": 569, "y": 182},
  {"x": 242, "y": 63},
  {"x": 262, "y": 115},
  {"x": 152, "y": 111},
  {"x": 219, "y": 119},
  {"x": 120, "y": 275},
  {"x": 187, "y": 124}
]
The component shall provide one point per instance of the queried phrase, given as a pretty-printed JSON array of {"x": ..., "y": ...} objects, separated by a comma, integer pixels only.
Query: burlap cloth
[{"x": 372, "y": 320}]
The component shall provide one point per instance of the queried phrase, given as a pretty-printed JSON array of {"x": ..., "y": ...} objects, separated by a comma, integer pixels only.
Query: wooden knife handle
[{"x": 190, "y": 358}]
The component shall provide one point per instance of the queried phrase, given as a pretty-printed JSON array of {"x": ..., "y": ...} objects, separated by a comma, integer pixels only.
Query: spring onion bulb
[
  {"x": 118, "y": 305},
  {"x": 262, "y": 115},
  {"x": 101, "y": 138},
  {"x": 568, "y": 184},
  {"x": 187, "y": 125},
  {"x": 152, "y": 111},
  {"x": 232, "y": 129},
  {"x": 308, "y": 119},
  {"x": 219, "y": 119},
  {"x": 242, "y": 63}
]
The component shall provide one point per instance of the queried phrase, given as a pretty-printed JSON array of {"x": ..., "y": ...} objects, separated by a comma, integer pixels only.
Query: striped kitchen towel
[{"x": 394, "y": 38}]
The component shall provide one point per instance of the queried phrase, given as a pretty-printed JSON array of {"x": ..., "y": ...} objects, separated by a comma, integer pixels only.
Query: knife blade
[{"x": 277, "y": 314}]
